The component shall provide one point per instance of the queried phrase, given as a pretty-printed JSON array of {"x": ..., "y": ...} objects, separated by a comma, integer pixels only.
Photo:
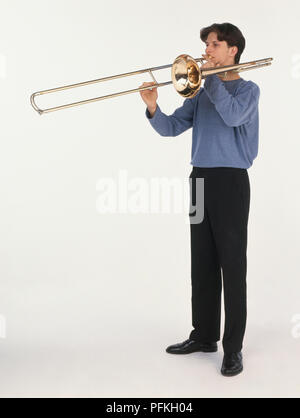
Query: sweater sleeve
[
  {"x": 175, "y": 124},
  {"x": 234, "y": 110}
]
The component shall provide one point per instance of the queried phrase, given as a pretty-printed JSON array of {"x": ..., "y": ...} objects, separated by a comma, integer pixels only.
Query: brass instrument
[{"x": 186, "y": 78}]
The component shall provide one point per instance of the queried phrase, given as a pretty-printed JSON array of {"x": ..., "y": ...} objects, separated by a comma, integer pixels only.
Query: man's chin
[{"x": 216, "y": 62}]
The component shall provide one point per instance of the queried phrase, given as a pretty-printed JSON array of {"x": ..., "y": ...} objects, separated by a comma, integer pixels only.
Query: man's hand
[
  {"x": 210, "y": 62},
  {"x": 149, "y": 96}
]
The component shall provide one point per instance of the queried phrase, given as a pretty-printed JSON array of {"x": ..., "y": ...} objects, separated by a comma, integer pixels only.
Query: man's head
[{"x": 224, "y": 42}]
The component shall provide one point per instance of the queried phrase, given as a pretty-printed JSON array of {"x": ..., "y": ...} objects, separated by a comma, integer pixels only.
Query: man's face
[{"x": 220, "y": 52}]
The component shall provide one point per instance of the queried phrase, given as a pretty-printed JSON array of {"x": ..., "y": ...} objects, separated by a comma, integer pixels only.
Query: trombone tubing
[
  {"x": 204, "y": 73},
  {"x": 98, "y": 80}
]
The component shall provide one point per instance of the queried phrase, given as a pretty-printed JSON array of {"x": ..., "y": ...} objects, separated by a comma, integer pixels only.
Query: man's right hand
[{"x": 149, "y": 96}]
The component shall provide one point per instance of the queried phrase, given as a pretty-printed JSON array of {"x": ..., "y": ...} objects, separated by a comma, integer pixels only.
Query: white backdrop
[{"x": 89, "y": 301}]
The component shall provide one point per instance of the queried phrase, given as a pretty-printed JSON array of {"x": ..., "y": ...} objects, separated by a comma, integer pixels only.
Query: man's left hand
[{"x": 210, "y": 63}]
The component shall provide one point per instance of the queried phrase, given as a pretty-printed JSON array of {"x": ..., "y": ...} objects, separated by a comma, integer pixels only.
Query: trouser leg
[{"x": 205, "y": 280}]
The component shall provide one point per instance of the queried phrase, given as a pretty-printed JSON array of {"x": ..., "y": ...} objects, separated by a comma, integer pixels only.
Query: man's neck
[{"x": 230, "y": 76}]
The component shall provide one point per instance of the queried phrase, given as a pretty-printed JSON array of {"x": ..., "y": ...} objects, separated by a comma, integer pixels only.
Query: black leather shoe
[
  {"x": 190, "y": 346},
  {"x": 232, "y": 364}
]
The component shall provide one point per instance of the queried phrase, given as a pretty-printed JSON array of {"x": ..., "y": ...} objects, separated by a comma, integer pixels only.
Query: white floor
[{"x": 128, "y": 364}]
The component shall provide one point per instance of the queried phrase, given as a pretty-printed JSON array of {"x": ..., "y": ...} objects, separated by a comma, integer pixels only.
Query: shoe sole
[
  {"x": 231, "y": 374},
  {"x": 193, "y": 351}
]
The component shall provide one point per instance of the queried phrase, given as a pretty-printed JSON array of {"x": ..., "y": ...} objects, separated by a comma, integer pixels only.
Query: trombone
[{"x": 186, "y": 78}]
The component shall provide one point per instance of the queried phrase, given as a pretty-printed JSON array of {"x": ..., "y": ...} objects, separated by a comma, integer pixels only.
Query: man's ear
[{"x": 234, "y": 50}]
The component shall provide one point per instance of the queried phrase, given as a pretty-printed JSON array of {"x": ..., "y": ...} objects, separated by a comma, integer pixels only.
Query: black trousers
[{"x": 218, "y": 251}]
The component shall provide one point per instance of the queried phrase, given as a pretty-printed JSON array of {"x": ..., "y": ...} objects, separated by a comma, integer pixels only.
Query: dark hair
[{"x": 226, "y": 32}]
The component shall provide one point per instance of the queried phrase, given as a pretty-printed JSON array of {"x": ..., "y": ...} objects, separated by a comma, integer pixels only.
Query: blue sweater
[{"x": 224, "y": 117}]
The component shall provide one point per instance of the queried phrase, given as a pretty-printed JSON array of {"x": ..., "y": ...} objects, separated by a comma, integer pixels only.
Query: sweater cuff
[{"x": 148, "y": 116}]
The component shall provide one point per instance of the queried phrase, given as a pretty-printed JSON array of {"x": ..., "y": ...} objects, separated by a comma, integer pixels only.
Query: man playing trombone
[{"x": 224, "y": 117}]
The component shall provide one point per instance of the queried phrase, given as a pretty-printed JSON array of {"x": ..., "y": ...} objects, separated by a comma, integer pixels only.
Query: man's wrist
[{"x": 152, "y": 110}]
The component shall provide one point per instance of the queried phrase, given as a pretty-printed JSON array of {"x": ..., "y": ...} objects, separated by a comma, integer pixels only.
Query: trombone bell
[{"x": 186, "y": 76}]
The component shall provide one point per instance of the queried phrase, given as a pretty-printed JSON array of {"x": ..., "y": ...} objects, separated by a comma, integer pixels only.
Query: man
[{"x": 224, "y": 118}]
